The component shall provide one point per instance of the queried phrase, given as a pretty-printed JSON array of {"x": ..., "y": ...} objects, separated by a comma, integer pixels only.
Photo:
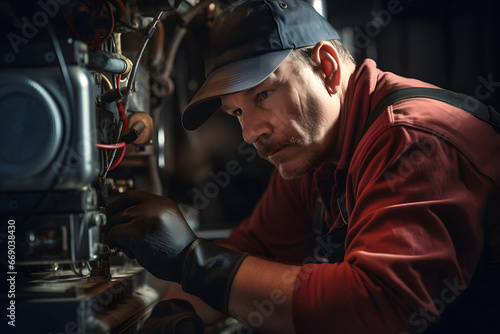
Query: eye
[
  {"x": 264, "y": 95},
  {"x": 237, "y": 112}
]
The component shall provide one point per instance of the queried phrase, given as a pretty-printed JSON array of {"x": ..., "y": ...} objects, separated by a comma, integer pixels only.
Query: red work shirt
[{"x": 422, "y": 189}]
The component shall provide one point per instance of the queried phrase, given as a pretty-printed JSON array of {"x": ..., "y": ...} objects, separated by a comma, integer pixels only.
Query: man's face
[{"x": 290, "y": 118}]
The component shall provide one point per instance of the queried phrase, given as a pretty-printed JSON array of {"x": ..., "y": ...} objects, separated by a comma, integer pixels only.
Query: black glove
[{"x": 152, "y": 229}]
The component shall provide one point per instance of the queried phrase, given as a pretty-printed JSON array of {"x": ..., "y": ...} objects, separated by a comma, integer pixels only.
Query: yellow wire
[{"x": 106, "y": 81}]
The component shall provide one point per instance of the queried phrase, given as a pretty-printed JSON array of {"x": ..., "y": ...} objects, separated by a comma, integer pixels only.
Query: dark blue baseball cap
[{"x": 248, "y": 41}]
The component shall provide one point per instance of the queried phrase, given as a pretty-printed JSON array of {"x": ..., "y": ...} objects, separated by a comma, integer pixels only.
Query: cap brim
[{"x": 231, "y": 78}]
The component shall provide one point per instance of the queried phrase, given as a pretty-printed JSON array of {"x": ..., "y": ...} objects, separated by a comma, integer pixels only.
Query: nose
[{"x": 254, "y": 124}]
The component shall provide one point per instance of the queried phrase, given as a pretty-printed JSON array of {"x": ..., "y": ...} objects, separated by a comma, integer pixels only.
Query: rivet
[
  {"x": 49, "y": 57},
  {"x": 283, "y": 5}
]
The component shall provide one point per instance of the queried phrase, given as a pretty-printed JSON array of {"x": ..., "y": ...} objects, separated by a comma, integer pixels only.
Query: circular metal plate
[{"x": 31, "y": 128}]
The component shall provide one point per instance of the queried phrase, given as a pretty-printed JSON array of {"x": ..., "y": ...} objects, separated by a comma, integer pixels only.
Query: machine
[{"x": 81, "y": 96}]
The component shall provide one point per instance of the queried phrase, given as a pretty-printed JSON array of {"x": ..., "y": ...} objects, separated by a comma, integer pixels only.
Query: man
[{"x": 421, "y": 189}]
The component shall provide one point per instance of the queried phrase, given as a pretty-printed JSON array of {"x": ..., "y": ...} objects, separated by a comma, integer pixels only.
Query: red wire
[
  {"x": 120, "y": 158},
  {"x": 125, "y": 126},
  {"x": 120, "y": 108},
  {"x": 121, "y": 145},
  {"x": 123, "y": 116},
  {"x": 95, "y": 44},
  {"x": 112, "y": 146}
]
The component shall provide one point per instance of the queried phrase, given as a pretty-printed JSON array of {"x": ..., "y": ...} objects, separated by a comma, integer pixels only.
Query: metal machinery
[{"x": 79, "y": 90}]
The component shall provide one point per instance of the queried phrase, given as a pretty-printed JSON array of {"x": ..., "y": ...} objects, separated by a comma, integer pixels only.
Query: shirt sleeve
[
  {"x": 413, "y": 240},
  {"x": 280, "y": 225}
]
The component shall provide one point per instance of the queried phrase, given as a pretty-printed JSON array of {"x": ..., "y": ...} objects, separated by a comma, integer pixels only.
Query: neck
[{"x": 347, "y": 70}]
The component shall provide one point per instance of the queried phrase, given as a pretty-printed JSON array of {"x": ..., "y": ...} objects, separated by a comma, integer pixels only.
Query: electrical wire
[
  {"x": 164, "y": 85},
  {"x": 106, "y": 81},
  {"x": 78, "y": 270},
  {"x": 96, "y": 42},
  {"x": 121, "y": 109},
  {"x": 117, "y": 161},
  {"x": 113, "y": 154},
  {"x": 122, "y": 106},
  {"x": 149, "y": 33},
  {"x": 114, "y": 49},
  {"x": 112, "y": 146},
  {"x": 63, "y": 68},
  {"x": 89, "y": 267},
  {"x": 123, "y": 117},
  {"x": 110, "y": 32},
  {"x": 122, "y": 114}
]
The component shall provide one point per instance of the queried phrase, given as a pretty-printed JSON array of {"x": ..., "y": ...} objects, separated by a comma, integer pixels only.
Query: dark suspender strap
[
  {"x": 341, "y": 202},
  {"x": 319, "y": 218},
  {"x": 467, "y": 313},
  {"x": 330, "y": 246},
  {"x": 473, "y": 106},
  {"x": 465, "y": 102}
]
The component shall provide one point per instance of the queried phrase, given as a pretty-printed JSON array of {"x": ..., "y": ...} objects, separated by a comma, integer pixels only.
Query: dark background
[{"x": 454, "y": 44}]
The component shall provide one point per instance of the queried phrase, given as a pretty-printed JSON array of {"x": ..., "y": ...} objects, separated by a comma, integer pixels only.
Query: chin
[
  {"x": 292, "y": 164},
  {"x": 290, "y": 170}
]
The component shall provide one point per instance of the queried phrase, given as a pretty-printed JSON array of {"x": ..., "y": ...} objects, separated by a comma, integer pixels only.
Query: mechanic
[{"x": 416, "y": 192}]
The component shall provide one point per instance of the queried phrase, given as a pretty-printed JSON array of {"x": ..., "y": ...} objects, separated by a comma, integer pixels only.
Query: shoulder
[{"x": 422, "y": 121}]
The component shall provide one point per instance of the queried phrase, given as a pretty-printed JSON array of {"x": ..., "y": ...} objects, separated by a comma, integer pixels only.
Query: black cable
[
  {"x": 63, "y": 67},
  {"x": 149, "y": 33},
  {"x": 113, "y": 48},
  {"x": 113, "y": 154}
]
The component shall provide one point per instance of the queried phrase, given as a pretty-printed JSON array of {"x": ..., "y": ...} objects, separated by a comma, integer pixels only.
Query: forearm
[{"x": 261, "y": 295}]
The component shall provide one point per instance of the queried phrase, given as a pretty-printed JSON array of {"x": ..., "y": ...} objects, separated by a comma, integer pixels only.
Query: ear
[{"x": 327, "y": 57}]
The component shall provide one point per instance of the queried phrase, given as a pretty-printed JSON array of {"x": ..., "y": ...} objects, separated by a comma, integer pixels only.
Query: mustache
[{"x": 266, "y": 146}]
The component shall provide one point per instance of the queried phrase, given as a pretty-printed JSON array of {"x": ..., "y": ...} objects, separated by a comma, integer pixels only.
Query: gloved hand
[{"x": 152, "y": 229}]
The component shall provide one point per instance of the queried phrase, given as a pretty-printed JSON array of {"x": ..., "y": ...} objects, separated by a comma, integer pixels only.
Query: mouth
[
  {"x": 273, "y": 155},
  {"x": 275, "y": 152},
  {"x": 270, "y": 150}
]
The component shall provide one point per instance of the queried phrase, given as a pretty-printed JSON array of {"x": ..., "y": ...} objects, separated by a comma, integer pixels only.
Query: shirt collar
[{"x": 357, "y": 103}]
